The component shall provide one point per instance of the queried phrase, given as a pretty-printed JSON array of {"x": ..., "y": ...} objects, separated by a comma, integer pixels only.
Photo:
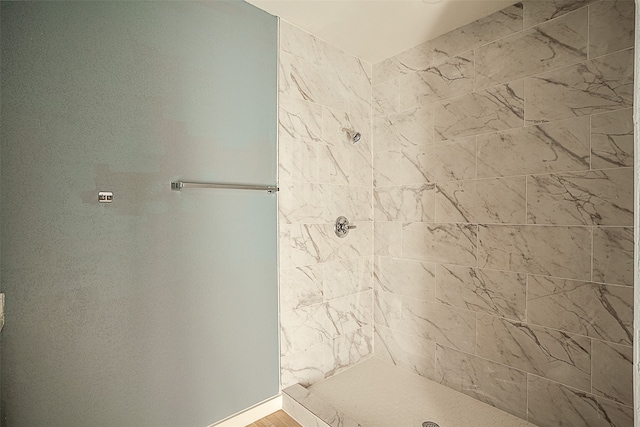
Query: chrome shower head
[{"x": 353, "y": 135}]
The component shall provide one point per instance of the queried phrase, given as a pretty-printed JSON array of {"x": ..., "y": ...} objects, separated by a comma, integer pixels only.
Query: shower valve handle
[{"x": 342, "y": 227}]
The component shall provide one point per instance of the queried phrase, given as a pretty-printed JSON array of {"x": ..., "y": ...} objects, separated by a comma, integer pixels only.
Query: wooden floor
[{"x": 277, "y": 419}]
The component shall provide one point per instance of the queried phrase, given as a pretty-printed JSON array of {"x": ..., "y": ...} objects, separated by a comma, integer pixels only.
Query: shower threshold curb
[{"x": 318, "y": 407}]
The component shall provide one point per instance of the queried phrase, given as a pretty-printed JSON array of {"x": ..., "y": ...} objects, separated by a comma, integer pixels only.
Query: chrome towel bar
[{"x": 179, "y": 185}]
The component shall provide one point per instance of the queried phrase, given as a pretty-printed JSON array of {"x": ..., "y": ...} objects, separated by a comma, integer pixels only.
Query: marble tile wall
[
  {"x": 503, "y": 210},
  {"x": 326, "y": 283}
]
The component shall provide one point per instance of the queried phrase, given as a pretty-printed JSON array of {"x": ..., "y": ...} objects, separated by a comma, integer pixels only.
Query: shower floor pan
[{"x": 375, "y": 393}]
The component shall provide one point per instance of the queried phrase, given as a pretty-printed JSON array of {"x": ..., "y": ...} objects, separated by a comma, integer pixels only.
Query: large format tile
[
  {"x": 387, "y": 238},
  {"x": 304, "y": 367},
  {"x": 482, "y": 31},
  {"x": 500, "y": 293},
  {"x": 446, "y": 161},
  {"x": 299, "y": 119},
  {"x": 406, "y": 351},
  {"x": 407, "y": 129},
  {"x": 602, "y": 197},
  {"x": 545, "y": 352},
  {"x": 451, "y": 77},
  {"x": 612, "y": 139},
  {"x": 416, "y": 58},
  {"x": 299, "y": 287},
  {"x": 612, "y": 414},
  {"x": 349, "y": 349},
  {"x": 303, "y": 79},
  {"x": 442, "y": 324},
  {"x": 387, "y": 309},
  {"x": 539, "y": 11},
  {"x": 444, "y": 243},
  {"x": 552, "y": 405},
  {"x": 485, "y": 201},
  {"x": 497, "y": 108},
  {"x": 610, "y": 27},
  {"x": 489, "y": 382},
  {"x": 558, "y": 43},
  {"x": 346, "y": 277},
  {"x": 552, "y": 251},
  {"x": 595, "y": 86},
  {"x": 613, "y": 255},
  {"x": 586, "y": 308},
  {"x": 414, "y": 279},
  {"x": 297, "y": 160},
  {"x": 553, "y": 147},
  {"x": 406, "y": 203},
  {"x": 613, "y": 371}
]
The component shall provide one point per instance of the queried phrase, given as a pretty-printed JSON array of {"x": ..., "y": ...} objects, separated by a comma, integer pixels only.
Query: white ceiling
[{"x": 374, "y": 30}]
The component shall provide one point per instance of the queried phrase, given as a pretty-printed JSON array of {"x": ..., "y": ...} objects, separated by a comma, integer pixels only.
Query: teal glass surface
[{"x": 160, "y": 308}]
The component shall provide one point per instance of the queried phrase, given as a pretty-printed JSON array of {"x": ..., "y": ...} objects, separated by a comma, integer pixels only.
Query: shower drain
[{"x": 429, "y": 424}]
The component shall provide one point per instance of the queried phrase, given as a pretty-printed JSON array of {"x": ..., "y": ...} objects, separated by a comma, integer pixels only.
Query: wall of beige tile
[
  {"x": 503, "y": 209},
  {"x": 326, "y": 283}
]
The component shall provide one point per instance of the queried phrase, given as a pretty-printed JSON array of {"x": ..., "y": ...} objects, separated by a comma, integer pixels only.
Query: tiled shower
[{"x": 493, "y": 196}]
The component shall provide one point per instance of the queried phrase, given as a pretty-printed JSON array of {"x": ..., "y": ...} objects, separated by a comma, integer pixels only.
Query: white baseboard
[{"x": 253, "y": 414}]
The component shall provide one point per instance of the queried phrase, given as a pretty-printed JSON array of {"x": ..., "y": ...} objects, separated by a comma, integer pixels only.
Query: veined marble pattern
[
  {"x": 552, "y": 354},
  {"x": 354, "y": 202},
  {"x": 414, "y": 279},
  {"x": 613, "y": 255},
  {"x": 304, "y": 367},
  {"x": 497, "y": 108},
  {"x": 612, "y": 414},
  {"x": 322, "y": 414},
  {"x": 445, "y": 161},
  {"x": 406, "y": 351},
  {"x": 552, "y": 250},
  {"x": 387, "y": 309},
  {"x": 595, "y": 86},
  {"x": 307, "y": 244},
  {"x": 349, "y": 349},
  {"x": 406, "y": 203},
  {"x": 612, "y": 139},
  {"x": 610, "y": 27},
  {"x": 388, "y": 238},
  {"x": 299, "y": 120},
  {"x": 301, "y": 286},
  {"x": 539, "y": 11},
  {"x": 552, "y": 405},
  {"x": 407, "y": 129},
  {"x": 483, "y": 201},
  {"x": 558, "y": 43},
  {"x": 347, "y": 276},
  {"x": 298, "y": 412},
  {"x": 581, "y": 198},
  {"x": 613, "y": 371},
  {"x": 308, "y": 326},
  {"x": 495, "y": 26},
  {"x": 443, "y": 243},
  {"x": 300, "y": 202},
  {"x": 298, "y": 160},
  {"x": 449, "y": 78},
  {"x": 500, "y": 293},
  {"x": 304, "y": 80},
  {"x": 416, "y": 58},
  {"x": 592, "y": 309},
  {"x": 386, "y": 98},
  {"x": 553, "y": 147},
  {"x": 489, "y": 382},
  {"x": 334, "y": 125},
  {"x": 442, "y": 324}
]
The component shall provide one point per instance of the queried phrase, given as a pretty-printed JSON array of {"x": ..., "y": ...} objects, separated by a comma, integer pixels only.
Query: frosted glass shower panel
[{"x": 159, "y": 308}]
